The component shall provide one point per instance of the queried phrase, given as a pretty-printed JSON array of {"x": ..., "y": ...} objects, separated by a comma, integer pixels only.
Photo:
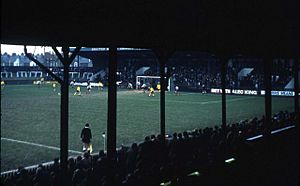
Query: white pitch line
[
  {"x": 195, "y": 102},
  {"x": 39, "y": 145},
  {"x": 208, "y": 102},
  {"x": 229, "y": 100},
  {"x": 188, "y": 93}
]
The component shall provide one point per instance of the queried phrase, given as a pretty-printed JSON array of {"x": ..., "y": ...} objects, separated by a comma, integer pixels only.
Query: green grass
[{"x": 32, "y": 114}]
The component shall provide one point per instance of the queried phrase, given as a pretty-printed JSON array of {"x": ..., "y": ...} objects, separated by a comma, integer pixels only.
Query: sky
[{"x": 19, "y": 49}]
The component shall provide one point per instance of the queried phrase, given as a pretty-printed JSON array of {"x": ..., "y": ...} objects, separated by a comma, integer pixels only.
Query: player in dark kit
[
  {"x": 86, "y": 136},
  {"x": 88, "y": 87}
]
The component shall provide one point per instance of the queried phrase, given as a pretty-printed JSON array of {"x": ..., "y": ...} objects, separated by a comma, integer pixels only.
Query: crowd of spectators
[
  {"x": 198, "y": 77},
  {"x": 195, "y": 76},
  {"x": 155, "y": 160}
]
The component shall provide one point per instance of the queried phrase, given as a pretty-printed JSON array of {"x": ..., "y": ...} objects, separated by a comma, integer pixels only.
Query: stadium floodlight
[{"x": 148, "y": 79}]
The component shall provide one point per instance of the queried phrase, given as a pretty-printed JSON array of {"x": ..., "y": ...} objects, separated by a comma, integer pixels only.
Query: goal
[{"x": 150, "y": 80}]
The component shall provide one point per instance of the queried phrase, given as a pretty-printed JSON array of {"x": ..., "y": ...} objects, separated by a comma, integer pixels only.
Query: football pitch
[{"x": 30, "y": 118}]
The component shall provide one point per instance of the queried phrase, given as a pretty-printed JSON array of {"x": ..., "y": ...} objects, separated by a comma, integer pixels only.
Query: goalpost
[{"x": 151, "y": 79}]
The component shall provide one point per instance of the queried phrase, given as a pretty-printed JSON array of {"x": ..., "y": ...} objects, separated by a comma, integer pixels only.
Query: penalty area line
[{"x": 38, "y": 145}]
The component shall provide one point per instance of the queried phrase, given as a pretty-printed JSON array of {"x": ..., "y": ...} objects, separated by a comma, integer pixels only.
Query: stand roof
[{"x": 232, "y": 26}]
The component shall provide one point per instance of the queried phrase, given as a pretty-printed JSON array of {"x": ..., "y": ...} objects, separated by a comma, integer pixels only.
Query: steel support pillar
[
  {"x": 112, "y": 114},
  {"x": 163, "y": 56},
  {"x": 268, "y": 64},
  {"x": 64, "y": 119},
  {"x": 296, "y": 85},
  {"x": 162, "y": 63},
  {"x": 64, "y": 102},
  {"x": 223, "y": 84}
]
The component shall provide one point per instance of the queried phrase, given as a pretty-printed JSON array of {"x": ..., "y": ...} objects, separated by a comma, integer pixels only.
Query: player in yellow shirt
[
  {"x": 158, "y": 87},
  {"x": 78, "y": 92},
  {"x": 100, "y": 85},
  {"x": 151, "y": 92},
  {"x": 2, "y": 85}
]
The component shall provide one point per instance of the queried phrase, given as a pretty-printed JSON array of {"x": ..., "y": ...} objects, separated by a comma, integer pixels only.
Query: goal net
[{"x": 150, "y": 81}]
